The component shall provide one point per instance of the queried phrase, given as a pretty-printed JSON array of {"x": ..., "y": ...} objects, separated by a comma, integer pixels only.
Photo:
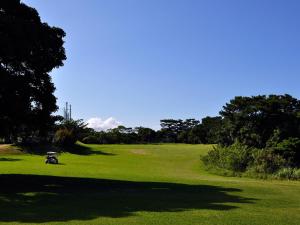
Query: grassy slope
[{"x": 138, "y": 184}]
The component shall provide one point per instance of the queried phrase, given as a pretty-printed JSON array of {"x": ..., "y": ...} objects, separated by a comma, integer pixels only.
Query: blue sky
[{"x": 141, "y": 61}]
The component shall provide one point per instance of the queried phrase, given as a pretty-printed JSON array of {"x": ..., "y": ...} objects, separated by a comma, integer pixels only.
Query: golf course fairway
[{"x": 138, "y": 184}]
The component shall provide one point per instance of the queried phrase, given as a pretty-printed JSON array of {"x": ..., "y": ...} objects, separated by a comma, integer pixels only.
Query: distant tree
[
  {"x": 177, "y": 130},
  {"x": 91, "y": 139},
  {"x": 183, "y": 137},
  {"x": 170, "y": 128},
  {"x": 188, "y": 124},
  {"x": 145, "y": 135},
  {"x": 197, "y": 135},
  {"x": 29, "y": 50},
  {"x": 88, "y": 132},
  {"x": 172, "y": 125},
  {"x": 121, "y": 135}
]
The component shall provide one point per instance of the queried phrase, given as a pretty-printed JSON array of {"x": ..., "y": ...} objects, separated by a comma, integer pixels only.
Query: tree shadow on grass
[
  {"x": 81, "y": 149},
  {"x": 37, "y": 199},
  {"x": 36, "y": 149},
  {"x": 9, "y": 159}
]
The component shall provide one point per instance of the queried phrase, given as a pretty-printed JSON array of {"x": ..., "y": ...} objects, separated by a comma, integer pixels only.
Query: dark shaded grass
[
  {"x": 78, "y": 149},
  {"x": 36, "y": 199},
  {"x": 4, "y": 159},
  {"x": 85, "y": 150}
]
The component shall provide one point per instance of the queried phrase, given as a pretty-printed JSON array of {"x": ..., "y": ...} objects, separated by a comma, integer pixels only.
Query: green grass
[{"x": 137, "y": 184}]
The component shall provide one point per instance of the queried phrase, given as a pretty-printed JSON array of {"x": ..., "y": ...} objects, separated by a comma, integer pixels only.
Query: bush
[
  {"x": 64, "y": 137},
  {"x": 288, "y": 173},
  {"x": 239, "y": 158},
  {"x": 266, "y": 161},
  {"x": 235, "y": 157},
  {"x": 289, "y": 149},
  {"x": 297, "y": 173}
]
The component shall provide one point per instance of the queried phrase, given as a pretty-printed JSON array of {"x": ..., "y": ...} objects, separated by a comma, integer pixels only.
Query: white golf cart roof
[{"x": 51, "y": 153}]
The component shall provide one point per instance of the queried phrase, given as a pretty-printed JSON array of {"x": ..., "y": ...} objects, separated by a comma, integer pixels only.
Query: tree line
[
  {"x": 253, "y": 121},
  {"x": 190, "y": 131}
]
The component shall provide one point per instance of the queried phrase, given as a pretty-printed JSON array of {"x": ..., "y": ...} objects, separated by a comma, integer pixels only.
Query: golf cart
[{"x": 51, "y": 158}]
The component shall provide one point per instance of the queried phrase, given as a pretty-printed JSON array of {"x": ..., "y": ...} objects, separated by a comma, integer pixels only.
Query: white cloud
[{"x": 99, "y": 124}]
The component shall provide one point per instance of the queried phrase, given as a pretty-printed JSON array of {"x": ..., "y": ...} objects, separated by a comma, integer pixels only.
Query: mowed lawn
[{"x": 137, "y": 184}]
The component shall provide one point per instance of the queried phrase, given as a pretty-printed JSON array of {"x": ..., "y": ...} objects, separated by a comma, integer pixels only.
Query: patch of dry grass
[{"x": 10, "y": 149}]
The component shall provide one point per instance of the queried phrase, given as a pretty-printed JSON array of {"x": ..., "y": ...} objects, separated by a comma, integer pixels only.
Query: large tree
[
  {"x": 254, "y": 120},
  {"x": 29, "y": 50}
]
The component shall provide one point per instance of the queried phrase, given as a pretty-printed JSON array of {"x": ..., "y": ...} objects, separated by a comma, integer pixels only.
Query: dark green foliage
[
  {"x": 145, "y": 135},
  {"x": 29, "y": 50},
  {"x": 65, "y": 137},
  {"x": 253, "y": 120},
  {"x": 269, "y": 125},
  {"x": 211, "y": 127},
  {"x": 240, "y": 158},
  {"x": 235, "y": 157},
  {"x": 86, "y": 132},
  {"x": 194, "y": 136},
  {"x": 266, "y": 161},
  {"x": 191, "y": 131},
  {"x": 289, "y": 149},
  {"x": 122, "y": 135},
  {"x": 288, "y": 173},
  {"x": 78, "y": 127},
  {"x": 69, "y": 131},
  {"x": 92, "y": 139},
  {"x": 170, "y": 128},
  {"x": 180, "y": 131}
]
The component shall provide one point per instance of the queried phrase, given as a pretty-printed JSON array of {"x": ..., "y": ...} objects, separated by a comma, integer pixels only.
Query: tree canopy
[
  {"x": 29, "y": 50},
  {"x": 254, "y": 120}
]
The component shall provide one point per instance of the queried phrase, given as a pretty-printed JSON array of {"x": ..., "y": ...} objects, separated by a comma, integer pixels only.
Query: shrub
[
  {"x": 64, "y": 137},
  {"x": 235, "y": 157},
  {"x": 240, "y": 158},
  {"x": 266, "y": 161},
  {"x": 297, "y": 173},
  {"x": 289, "y": 149},
  {"x": 288, "y": 173}
]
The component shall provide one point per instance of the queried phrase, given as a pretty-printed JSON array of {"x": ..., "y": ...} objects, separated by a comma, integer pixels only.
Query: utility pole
[
  {"x": 70, "y": 115},
  {"x": 68, "y": 112}
]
